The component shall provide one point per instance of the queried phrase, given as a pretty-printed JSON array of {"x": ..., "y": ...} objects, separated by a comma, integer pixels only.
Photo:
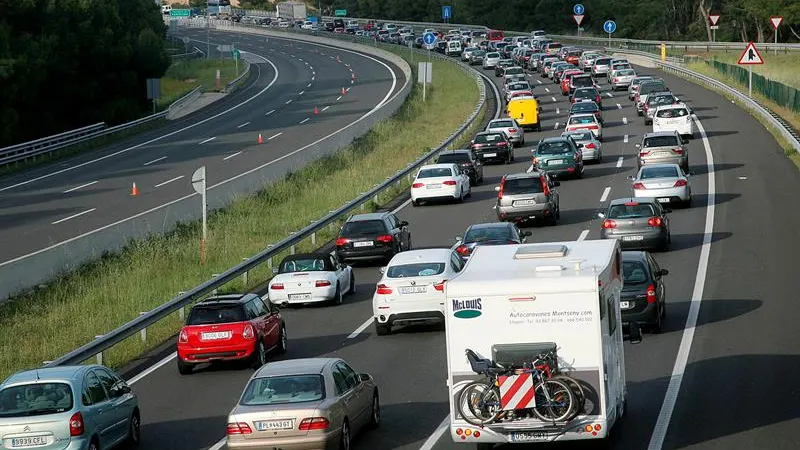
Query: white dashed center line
[
  {"x": 72, "y": 216},
  {"x": 619, "y": 106},
  {"x": 625, "y": 139},
  {"x": 625, "y": 120},
  {"x": 554, "y": 99},
  {"x": 583, "y": 235},
  {"x": 270, "y": 112},
  {"x": 609, "y": 95},
  {"x": 301, "y": 92},
  {"x": 547, "y": 89},
  {"x": 606, "y": 191},
  {"x": 243, "y": 125},
  {"x": 170, "y": 181},
  {"x": 273, "y": 137},
  {"x": 539, "y": 81},
  {"x": 338, "y": 98},
  {"x": 231, "y": 156},
  {"x": 619, "y": 162},
  {"x": 558, "y": 111},
  {"x": 304, "y": 120},
  {"x": 208, "y": 140},
  {"x": 326, "y": 108},
  {"x": 79, "y": 187},
  {"x": 288, "y": 101},
  {"x": 154, "y": 161},
  {"x": 555, "y": 126}
]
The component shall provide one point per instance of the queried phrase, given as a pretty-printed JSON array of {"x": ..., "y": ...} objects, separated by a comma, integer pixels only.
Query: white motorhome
[{"x": 511, "y": 303}]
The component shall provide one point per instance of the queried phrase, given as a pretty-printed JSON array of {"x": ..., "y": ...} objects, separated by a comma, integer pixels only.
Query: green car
[{"x": 559, "y": 156}]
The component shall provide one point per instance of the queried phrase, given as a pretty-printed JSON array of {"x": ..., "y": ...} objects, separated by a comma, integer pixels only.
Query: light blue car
[{"x": 67, "y": 408}]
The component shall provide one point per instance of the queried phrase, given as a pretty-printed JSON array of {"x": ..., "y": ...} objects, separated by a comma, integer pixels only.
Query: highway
[
  {"x": 705, "y": 386},
  {"x": 46, "y": 205}
]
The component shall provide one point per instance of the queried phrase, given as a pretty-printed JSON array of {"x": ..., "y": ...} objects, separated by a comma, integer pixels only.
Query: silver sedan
[
  {"x": 667, "y": 183},
  {"x": 591, "y": 148}
]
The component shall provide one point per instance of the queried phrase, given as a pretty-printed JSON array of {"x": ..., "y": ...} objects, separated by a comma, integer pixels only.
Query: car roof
[
  {"x": 306, "y": 255},
  {"x": 488, "y": 132},
  {"x": 437, "y": 166},
  {"x": 660, "y": 133},
  {"x": 481, "y": 226},
  {"x": 672, "y": 105},
  {"x": 634, "y": 255},
  {"x": 226, "y": 298},
  {"x": 622, "y": 201},
  {"x": 367, "y": 216},
  {"x": 582, "y": 114},
  {"x": 48, "y": 374},
  {"x": 420, "y": 255},
  {"x": 456, "y": 152},
  {"x": 523, "y": 175},
  {"x": 553, "y": 139},
  {"x": 300, "y": 366}
]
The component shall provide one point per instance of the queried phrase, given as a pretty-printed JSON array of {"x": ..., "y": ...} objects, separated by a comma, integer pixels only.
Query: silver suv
[
  {"x": 663, "y": 147},
  {"x": 526, "y": 196}
]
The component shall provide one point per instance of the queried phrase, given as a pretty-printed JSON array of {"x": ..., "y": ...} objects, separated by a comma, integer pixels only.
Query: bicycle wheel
[
  {"x": 577, "y": 390},
  {"x": 479, "y": 403},
  {"x": 554, "y": 401}
]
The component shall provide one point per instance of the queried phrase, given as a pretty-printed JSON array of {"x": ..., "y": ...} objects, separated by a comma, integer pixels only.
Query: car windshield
[
  {"x": 453, "y": 158},
  {"x": 303, "y": 265},
  {"x": 631, "y": 211},
  {"x": 428, "y": 269},
  {"x": 659, "y": 172},
  {"x": 35, "y": 399},
  {"x": 493, "y": 55},
  {"x": 435, "y": 172},
  {"x": 554, "y": 148},
  {"x": 283, "y": 389},
  {"x": 488, "y": 138},
  {"x": 584, "y": 107},
  {"x": 581, "y": 136},
  {"x": 634, "y": 272},
  {"x": 219, "y": 313},
  {"x": 528, "y": 185},
  {"x": 501, "y": 124},
  {"x": 483, "y": 234},
  {"x": 363, "y": 228},
  {"x": 581, "y": 120},
  {"x": 669, "y": 113},
  {"x": 661, "y": 141}
]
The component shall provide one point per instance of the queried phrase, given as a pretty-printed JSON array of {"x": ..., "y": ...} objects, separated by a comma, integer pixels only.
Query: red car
[
  {"x": 230, "y": 327},
  {"x": 566, "y": 78}
]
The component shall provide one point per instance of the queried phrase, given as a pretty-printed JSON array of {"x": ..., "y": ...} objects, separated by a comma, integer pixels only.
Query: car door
[
  {"x": 341, "y": 273},
  {"x": 269, "y": 321},
  {"x": 120, "y": 405},
  {"x": 655, "y": 271},
  {"x": 554, "y": 195},
  {"x": 361, "y": 398},
  {"x": 97, "y": 409},
  {"x": 400, "y": 230},
  {"x": 395, "y": 230}
]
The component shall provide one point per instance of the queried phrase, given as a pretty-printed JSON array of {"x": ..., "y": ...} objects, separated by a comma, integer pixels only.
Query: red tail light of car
[
  {"x": 238, "y": 428},
  {"x": 677, "y": 151},
  {"x": 277, "y": 286},
  {"x": 322, "y": 283},
  {"x": 249, "y": 332},
  {"x": 76, "y": 427},
  {"x": 418, "y": 185},
  {"x": 639, "y": 186},
  {"x": 590, "y": 145},
  {"x": 651, "y": 294},
  {"x": 314, "y": 423},
  {"x": 439, "y": 286},
  {"x": 680, "y": 183},
  {"x": 654, "y": 222},
  {"x": 608, "y": 223},
  {"x": 385, "y": 238},
  {"x": 463, "y": 250},
  {"x": 502, "y": 144},
  {"x": 644, "y": 152},
  {"x": 449, "y": 183},
  {"x": 383, "y": 289},
  {"x": 341, "y": 241}
]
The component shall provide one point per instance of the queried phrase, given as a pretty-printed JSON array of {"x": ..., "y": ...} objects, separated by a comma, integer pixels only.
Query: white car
[
  {"x": 674, "y": 118},
  {"x": 467, "y": 52},
  {"x": 621, "y": 79},
  {"x": 511, "y": 129},
  {"x": 411, "y": 290},
  {"x": 311, "y": 278},
  {"x": 491, "y": 60},
  {"x": 667, "y": 183},
  {"x": 580, "y": 122},
  {"x": 440, "y": 181}
]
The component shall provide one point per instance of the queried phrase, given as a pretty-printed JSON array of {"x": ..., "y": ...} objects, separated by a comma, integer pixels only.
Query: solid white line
[
  {"x": 243, "y": 125},
  {"x": 671, "y": 396},
  {"x": 72, "y": 216},
  {"x": 308, "y": 85},
  {"x": 79, "y": 187},
  {"x": 437, "y": 434},
  {"x": 625, "y": 120},
  {"x": 606, "y": 191},
  {"x": 338, "y": 98},
  {"x": 208, "y": 140},
  {"x": 402, "y": 205},
  {"x": 273, "y": 137},
  {"x": 170, "y": 181},
  {"x": 231, "y": 156},
  {"x": 288, "y": 101},
  {"x": 583, "y": 235},
  {"x": 546, "y": 90},
  {"x": 530, "y": 169},
  {"x": 153, "y": 368},
  {"x": 270, "y": 112},
  {"x": 619, "y": 106},
  {"x": 301, "y": 92},
  {"x": 361, "y": 328},
  {"x": 326, "y": 108},
  {"x": 219, "y": 444},
  {"x": 625, "y": 139},
  {"x": 304, "y": 120},
  {"x": 351, "y": 82},
  {"x": 620, "y": 161},
  {"x": 154, "y": 161}
]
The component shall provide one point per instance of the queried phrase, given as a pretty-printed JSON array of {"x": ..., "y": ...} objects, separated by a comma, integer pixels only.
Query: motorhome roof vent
[
  {"x": 553, "y": 268},
  {"x": 576, "y": 264},
  {"x": 541, "y": 251}
]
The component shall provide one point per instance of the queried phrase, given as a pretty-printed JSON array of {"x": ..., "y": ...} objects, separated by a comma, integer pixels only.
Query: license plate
[
  {"x": 554, "y": 162},
  {"x": 34, "y": 441},
  {"x": 490, "y": 155},
  {"x": 663, "y": 199},
  {"x": 215, "y": 335},
  {"x": 299, "y": 296},
  {"x": 632, "y": 238},
  {"x": 530, "y": 436},
  {"x": 625, "y": 305},
  {"x": 363, "y": 244},
  {"x": 524, "y": 202},
  {"x": 434, "y": 186},
  {"x": 413, "y": 289},
  {"x": 275, "y": 425}
]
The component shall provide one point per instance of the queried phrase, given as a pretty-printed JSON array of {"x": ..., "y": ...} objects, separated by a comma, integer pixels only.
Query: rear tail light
[
  {"x": 322, "y": 283},
  {"x": 439, "y": 286},
  {"x": 463, "y": 250},
  {"x": 608, "y": 223},
  {"x": 593, "y": 127},
  {"x": 678, "y": 150},
  {"x": 502, "y": 144},
  {"x": 502, "y": 186},
  {"x": 183, "y": 337},
  {"x": 644, "y": 153},
  {"x": 314, "y": 423},
  {"x": 418, "y": 185},
  {"x": 651, "y": 293},
  {"x": 616, "y": 79},
  {"x": 598, "y": 99},
  {"x": 654, "y": 221},
  {"x": 589, "y": 145},
  {"x": 638, "y": 186},
  {"x": 449, "y": 183},
  {"x": 383, "y": 289},
  {"x": 385, "y": 238},
  {"x": 276, "y": 286},
  {"x": 680, "y": 183},
  {"x": 341, "y": 242},
  {"x": 249, "y": 332},
  {"x": 76, "y": 424},
  {"x": 238, "y": 428},
  {"x": 512, "y": 130}
]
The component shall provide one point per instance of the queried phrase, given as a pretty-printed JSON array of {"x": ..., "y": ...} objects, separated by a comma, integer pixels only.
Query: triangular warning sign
[
  {"x": 750, "y": 56},
  {"x": 578, "y": 18},
  {"x": 714, "y": 18},
  {"x": 776, "y": 21}
]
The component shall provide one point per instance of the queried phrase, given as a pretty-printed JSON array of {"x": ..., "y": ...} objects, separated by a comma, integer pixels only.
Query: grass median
[{"x": 46, "y": 323}]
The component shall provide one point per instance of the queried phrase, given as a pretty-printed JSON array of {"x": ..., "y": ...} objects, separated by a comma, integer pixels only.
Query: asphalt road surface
[
  {"x": 738, "y": 387},
  {"x": 49, "y": 204}
]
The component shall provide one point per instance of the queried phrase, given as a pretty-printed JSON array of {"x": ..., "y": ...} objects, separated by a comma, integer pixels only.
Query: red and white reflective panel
[
  {"x": 776, "y": 21},
  {"x": 713, "y": 18},
  {"x": 516, "y": 392}
]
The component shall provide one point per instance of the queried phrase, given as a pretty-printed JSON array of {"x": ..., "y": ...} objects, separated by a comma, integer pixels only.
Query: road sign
[
  {"x": 153, "y": 88},
  {"x": 199, "y": 180},
  {"x": 713, "y": 18},
  {"x": 750, "y": 56},
  {"x": 224, "y": 48},
  {"x": 610, "y": 26},
  {"x": 429, "y": 39},
  {"x": 180, "y": 13},
  {"x": 776, "y": 21},
  {"x": 199, "y": 186},
  {"x": 186, "y": 40},
  {"x": 578, "y": 18},
  {"x": 341, "y": 13},
  {"x": 578, "y": 9},
  {"x": 447, "y": 12},
  {"x": 714, "y": 27},
  {"x": 312, "y": 19}
]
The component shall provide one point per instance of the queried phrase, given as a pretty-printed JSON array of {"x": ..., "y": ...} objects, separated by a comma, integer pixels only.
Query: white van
[
  {"x": 453, "y": 47},
  {"x": 511, "y": 303}
]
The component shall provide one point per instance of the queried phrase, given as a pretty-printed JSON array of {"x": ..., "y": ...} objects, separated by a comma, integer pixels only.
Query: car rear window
[
  {"x": 283, "y": 389},
  {"x": 487, "y": 138},
  {"x": 649, "y": 172},
  {"x": 634, "y": 272},
  {"x": 35, "y": 399},
  {"x": 586, "y": 93},
  {"x": 518, "y": 87},
  {"x": 513, "y": 70},
  {"x": 652, "y": 87},
  {"x": 303, "y": 265},
  {"x": 554, "y": 46},
  {"x": 435, "y": 172},
  {"x": 581, "y": 136},
  {"x": 428, "y": 269},
  {"x": 363, "y": 228},
  {"x": 453, "y": 158},
  {"x": 484, "y": 234},
  {"x": 581, "y": 120},
  {"x": 631, "y": 211},
  {"x": 640, "y": 80},
  {"x": 661, "y": 141},
  {"x": 670, "y": 113},
  {"x": 493, "y": 55},
  {"x": 502, "y": 124},
  {"x": 602, "y": 61},
  {"x": 211, "y": 314},
  {"x": 584, "y": 107},
  {"x": 660, "y": 100},
  {"x": 532, "y": 185},
  {"x": 553, "y": 148},
  {"x": 626, "y": 72}
]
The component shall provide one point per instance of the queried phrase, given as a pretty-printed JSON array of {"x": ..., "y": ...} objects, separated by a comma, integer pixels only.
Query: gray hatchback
[
  {"x": 637, "y": 222},
  {"x": 67, "y": 408},
  {"x": 526, "y": 196}
]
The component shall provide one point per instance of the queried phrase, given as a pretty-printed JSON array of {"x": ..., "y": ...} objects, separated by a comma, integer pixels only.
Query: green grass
[
  {"x": 783, "y": 67},
  {"x": 46, "y": 323},
  {"x": 185, "y": 75}
]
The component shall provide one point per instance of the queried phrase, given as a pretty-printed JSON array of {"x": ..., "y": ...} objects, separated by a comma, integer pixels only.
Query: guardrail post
[
  {"x": 245, "y": 274},
  {"x": 143, "y": 331},
  {"x": 182, "y": 311},
  {"x": 214, "y": 275},
  {"x": 99, "y": 356}
]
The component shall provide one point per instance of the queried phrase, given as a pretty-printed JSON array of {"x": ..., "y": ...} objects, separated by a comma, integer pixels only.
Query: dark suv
[
  {"x": 374, "y": 236},
  {"x": 467, "y": 161}
]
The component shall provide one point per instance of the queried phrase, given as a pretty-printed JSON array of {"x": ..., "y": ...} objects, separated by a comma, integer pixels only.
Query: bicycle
[
  {"x": 554, "y": 399},
  {"x": 572, "y": 383}
]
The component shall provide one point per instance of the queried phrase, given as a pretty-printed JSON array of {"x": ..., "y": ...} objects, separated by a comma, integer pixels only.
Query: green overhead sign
[
  {"x": 341, "y": 12},
  {"x": 180, "y": 13}
]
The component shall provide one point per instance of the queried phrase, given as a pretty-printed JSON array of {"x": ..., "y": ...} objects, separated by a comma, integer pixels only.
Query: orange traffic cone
[
  {"x": 344, "y": 91},
  {"x": 316, "y": 110},
  {"x": 260, "y": 138},
  {"x": 134, "y": 190}
]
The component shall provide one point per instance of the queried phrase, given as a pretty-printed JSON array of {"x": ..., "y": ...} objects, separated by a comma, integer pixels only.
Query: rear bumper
[
  {"x": 318, "y": 294},
  {"x": 197, "y": 355},
  {"x": 538, "y": 211},
  {"x": 445, "y": 192},
  {"x": 679, "y": 160},
  {"x": 326, "y": 441},
  {"x": 665, "y": 195},
  {"x": 410, "y": 318},
  {"x": 500, "y": 155},
  {"x": 574, "y": 431},
  {"x": 647, "y": 316},
  {"x": 649, "y": 239},
  {"x": 365, "y": 254}
]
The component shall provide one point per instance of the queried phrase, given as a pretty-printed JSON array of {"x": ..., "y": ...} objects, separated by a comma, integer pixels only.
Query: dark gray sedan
[
  {"x": 644, "y": 295},
  {"x": 637, "y": 222}
]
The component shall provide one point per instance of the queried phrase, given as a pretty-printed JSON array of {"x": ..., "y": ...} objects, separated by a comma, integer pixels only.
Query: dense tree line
[{"x": 71, "y": 63}]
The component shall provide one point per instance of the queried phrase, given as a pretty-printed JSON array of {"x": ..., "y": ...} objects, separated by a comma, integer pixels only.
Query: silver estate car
[
  {"x": 663, "y": 147},
  {"x": 640, "y": 223},
  {"x": 591, "y": 148},
  {"x": 635, "y": 83},
  {"x": 67, "y": 408},
  {"x": 303, "y": 404},
  {"x": 621, "y": 79},
  {"x": 527, "y": 196},
  {"x": 667, "y": 183},
  {"x": 510, "y": 127}
]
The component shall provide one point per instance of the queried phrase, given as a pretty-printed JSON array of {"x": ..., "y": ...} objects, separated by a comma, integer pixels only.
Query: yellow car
[{"x": 526, "y": 112}]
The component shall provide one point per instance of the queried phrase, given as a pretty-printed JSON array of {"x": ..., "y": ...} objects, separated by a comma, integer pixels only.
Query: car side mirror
[
  {"x": 630, "y": 177},
  {"x": 634, "y": 333},
  {"x": 459, "y": 239},
  {"x": 663, "y": 272},
  {"x": 364, "y": 377},
  {"x": 382, "y": 270},
  {"x": 601, "y": 215},
  {"x": 497, "y": 188},
  {"x": 403, "y": 223},
  {"x": 527, "y": 233},
  {"x": 275, "y": 270}
]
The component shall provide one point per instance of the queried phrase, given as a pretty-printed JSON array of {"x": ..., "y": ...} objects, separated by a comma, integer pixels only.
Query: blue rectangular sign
[{"x": 447, "y": 12}]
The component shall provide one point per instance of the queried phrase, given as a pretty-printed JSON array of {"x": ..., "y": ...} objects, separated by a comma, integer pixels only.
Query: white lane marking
[
  {"x": 301, "y": 92},
  {"x": 326, "y": 108},
  {"x": 308, "y": 85},
  {"x": 619, "y": 106},
  {"x": 437, "y": 434},
  {"x": 313, "y": 73},
  {"x": 153, "y": 368},
  {"x": 293, "y": 56},
  {"x": 609, "y": 95},
  {"x": 620, "y": 161},
  {"x": 539, "y": 81},
  {"x": 72, "y": 216},
  {"x": 79, "y": 187},
  {"x": 219, "y": 444},
  {"x": 351, "y": 82},
  {"x": 338, "y": 98},
  {"x": 360, "y": 328},
  {"x": 554, "y": 99},
  {"x": 313, "y": 78},
  {"x": 269, "y": 112},
  {"x": 555, "y": 126},
  {"x": 243, "y": 125},
  {"x": 233, "y": 155},
  {"x": 530, "y": 169},
  {"x": 583, "y": 235},
  {"x": 154, "y": 161},
  {"x": 671, "y": 396},
  {"x": 558, "y": 111},
  {"x": 170, "y": 181},
  {"x": 300, "y": 59},
  {"x": 304, "y": 120},
  {"x": 606, "y": 191},
  {"x": 547, "y": 89},
  {"x": 288, "y": 101},
  {"x": 273, "y": 137},
  {"x": 625, "y": 139},
  {"x": 625, "y": 120},
  {"x": 208, "y": 140}
]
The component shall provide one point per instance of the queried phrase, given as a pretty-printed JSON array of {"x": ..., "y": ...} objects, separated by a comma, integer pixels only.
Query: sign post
[
  {"x": 577, "y": 14},
  {"x": 750, "y": 57},
  {"x": 429, "y": 39},
  {"x": 578, "y": 19},
  {"x": 154, "y": 91},
  {"x": 776, "y": 22},
  {"x": 713, "y": 18},
  {"x": 199, "y": 185},
  {"x": 663, "y": 53},
  {"x": 610, "y": 27},
  {"x": 447, "y": 13},
  {"x": 236, "y": 55},
  {"x": 424, "y": 76}
]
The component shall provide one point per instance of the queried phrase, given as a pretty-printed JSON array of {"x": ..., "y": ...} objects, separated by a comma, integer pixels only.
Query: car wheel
[
  {"x": 375, "y": 417},
  {"x": 337, "y": 296},
  {"x": 344, "y": 443},
  {"x": 657, "y": 327},
  {"x": 184, "y": 368},
  {"x": 352, "y": 283},
  {"x": 260, "y": 355},
  {"x": 93, "y": 446},
  {"x": 134, "y": 435},
  {"x": 558, "y": 213},
  {"x": 414, "y": 203},
  {"x": 460, "y": 198},
  {"x": 283, "y": 340},
  {"x": 383, "y": 329}
]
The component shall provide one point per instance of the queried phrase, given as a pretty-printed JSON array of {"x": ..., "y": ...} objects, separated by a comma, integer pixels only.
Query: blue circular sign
[
  {"x": 610, "y": 26},
  {"x": 578, "y": 9},
  {"x": 429, "y": 38}
]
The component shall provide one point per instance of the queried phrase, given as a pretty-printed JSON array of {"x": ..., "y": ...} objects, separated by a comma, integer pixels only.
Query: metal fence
[{"x": 289, "y": 244}]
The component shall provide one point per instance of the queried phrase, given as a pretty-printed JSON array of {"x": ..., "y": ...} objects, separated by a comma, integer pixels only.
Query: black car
[
  {"x": 467, "y": 161},
  {"x": 374, "y": 236},
  {"x": 492, "y": 146},
  {"x": 492, "y": 233},
  {"x": 643, "y": 298},
  {"x": 586, "y": 107}
]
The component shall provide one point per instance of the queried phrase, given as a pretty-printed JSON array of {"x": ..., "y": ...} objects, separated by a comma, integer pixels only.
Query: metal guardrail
[
  {"x": 104, "y": 342},
  {"x": 239, "y": 78}
]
